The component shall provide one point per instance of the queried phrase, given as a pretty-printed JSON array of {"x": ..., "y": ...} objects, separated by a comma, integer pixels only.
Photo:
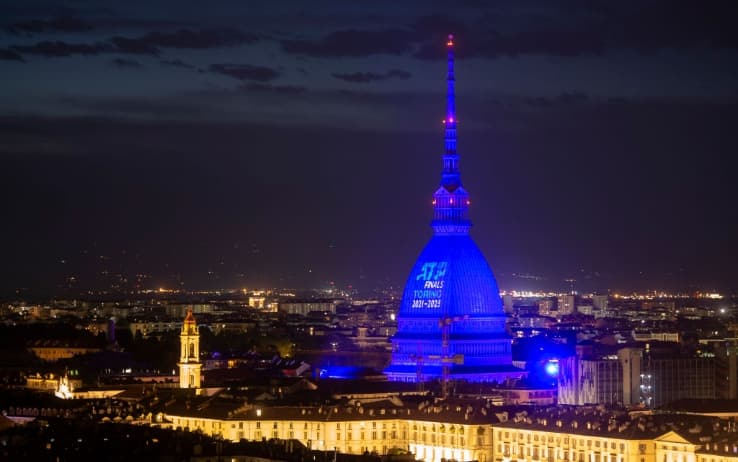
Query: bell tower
[{"x": 189, "y": 356}]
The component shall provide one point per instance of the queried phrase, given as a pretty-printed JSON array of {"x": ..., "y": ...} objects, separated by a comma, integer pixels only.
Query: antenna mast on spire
[{"x": 450, "y": 159}]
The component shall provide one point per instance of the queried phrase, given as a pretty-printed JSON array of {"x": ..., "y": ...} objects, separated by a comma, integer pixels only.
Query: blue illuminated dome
[
  {"x": 451, "y": 313},
  {"x": 469, "y": 287}
]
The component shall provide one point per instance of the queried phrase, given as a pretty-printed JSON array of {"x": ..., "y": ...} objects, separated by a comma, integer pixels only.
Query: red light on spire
[{"x": 450, "y": 41}]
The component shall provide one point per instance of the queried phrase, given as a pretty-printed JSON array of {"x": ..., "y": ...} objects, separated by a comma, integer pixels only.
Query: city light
[{"x": 552, "y": 367}]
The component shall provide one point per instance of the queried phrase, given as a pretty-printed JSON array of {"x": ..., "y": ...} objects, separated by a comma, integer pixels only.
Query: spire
[
  {"x": 450, "y": 176},
  {"x": 450, "y": 202},
  {"x": 189, "y": 326}
]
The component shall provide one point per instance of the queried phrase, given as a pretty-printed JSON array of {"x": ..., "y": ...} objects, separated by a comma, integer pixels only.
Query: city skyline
[{"x": 286, "y": 147}]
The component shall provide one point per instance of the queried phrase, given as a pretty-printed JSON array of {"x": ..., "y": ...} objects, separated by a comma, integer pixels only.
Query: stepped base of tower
[
  {"x": 473, "y": 357},
  {"x": 488, "y": 374}
]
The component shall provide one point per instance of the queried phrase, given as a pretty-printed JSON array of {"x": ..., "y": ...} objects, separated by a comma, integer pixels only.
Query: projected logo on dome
[{"x": 429, "y": 284}]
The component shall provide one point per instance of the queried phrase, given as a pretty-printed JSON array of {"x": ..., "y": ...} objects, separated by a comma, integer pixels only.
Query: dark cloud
[
  {"x": 144, "y": 45},
  {"x": 140, "y": 23},
  {"x": 205, "y": 38},
  {"x": 133, "y": 46},
  {"x": 354, "y": 43},
  {"x": 9, "y": 55},
  {"x": 61, "y": 49},
  {"x": 127, "y": 63},
  {"x": 283, "y": 89},
  {"x": 54, "y": 25},
  {"x": 183, "y": 38},
  {"x": 245, "y": 72},
  {"x": 562, "y": 99},
  {"x": 366, "y": 77},
  {"x": 573, "y": 98},
  {"x": 58, "y": 49},
  {"x": 176, "y": 63},
  {"x": 118, "y": 108}
]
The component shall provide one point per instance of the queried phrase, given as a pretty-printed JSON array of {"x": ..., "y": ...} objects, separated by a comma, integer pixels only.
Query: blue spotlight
[{"x": 552, "y": 367}]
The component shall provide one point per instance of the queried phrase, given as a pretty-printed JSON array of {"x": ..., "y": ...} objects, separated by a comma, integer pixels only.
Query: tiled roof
[{"x": 460, "y": 412}]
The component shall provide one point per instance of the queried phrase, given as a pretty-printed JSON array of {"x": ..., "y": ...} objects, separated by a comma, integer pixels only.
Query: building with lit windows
[
  {"x": 595, "y": 434},
  {"x": 566, "y": 304},
  {"x": 634, "y": 375},
  {"x": 431, "y": 432},
  {"x": 305, "y": 307},
  {"x": 451, "y": 321},
  {"x": 600, "y": 302},
  {"x": 470, "y": 430},
  {"x": 55, "y": 350},
  {"x": 565, "y": 441}
]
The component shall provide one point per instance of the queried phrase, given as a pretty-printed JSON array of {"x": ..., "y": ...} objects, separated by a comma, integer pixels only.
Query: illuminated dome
[
  {"x": 451, "y": 286},
  {"x": 451, "y": 313},
  {"x": 468, "y": 285}
]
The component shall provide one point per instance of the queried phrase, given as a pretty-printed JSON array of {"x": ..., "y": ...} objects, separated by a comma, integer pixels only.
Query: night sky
[{"x": 239, "y": 144}]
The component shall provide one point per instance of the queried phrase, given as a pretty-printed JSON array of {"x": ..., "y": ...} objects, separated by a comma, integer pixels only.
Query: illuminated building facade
[
  {"x": 554, "y": 442},
  {"x": 189, "y": 357},
  {"x": 451, "y": 315},
  {"x": 51, "y": 351},
  {"x": 305, "y": 307},
  {"x": 592, "y": 435},
  {"x": 434, "y": 433}
]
